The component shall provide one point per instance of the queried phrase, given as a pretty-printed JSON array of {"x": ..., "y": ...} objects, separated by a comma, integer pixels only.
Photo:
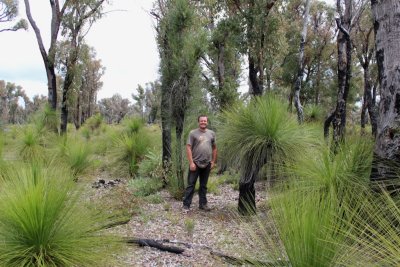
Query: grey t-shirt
[{"x": 201, "y": 143}]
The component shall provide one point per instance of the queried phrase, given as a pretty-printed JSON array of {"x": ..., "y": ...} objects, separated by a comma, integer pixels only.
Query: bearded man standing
[{"x": 201, "y": 151}]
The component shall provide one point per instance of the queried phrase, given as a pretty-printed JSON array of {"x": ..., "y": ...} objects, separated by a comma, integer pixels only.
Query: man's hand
[
  {"x": 192, "y": 166},
  {"x": 212, "y": 164}
]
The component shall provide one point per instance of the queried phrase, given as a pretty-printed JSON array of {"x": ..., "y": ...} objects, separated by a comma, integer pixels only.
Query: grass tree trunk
[
  {"x": 247, "y": 192},
  {"x": 166, "y": 107},
  {"x": 297, "y": 86},
  {"x": 387, "y": 32},
  {"x": 179, "y": 151}
]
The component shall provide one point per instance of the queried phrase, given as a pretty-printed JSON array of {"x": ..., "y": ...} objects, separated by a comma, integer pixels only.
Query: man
[{"x": 201, "y": 152}]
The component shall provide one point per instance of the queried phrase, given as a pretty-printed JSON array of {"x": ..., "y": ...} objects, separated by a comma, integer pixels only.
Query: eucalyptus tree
[
  {"x": 78, "y": 18},
  {"x": 254, "y": 20},
  {"x": 363, "y": 43},
  {"x": 152, "y": 100},
  {"x": 221, "y": 61},
  {"x": 87, "y": 82},
  {"x": 180, "y": 42},
  {"x": 10, "y": 109},
  {"x": 387, "y": 41},
  {"x": 8, "y": 13},
  {"x": 115, "y": 108},
  {"x": 321, "y": 49},
  {"x": 299, "y": 79},
  {"x": 344, "y": 64},
  {"x": 49, "y": 56},
  {"x": 91, "y": 70}
]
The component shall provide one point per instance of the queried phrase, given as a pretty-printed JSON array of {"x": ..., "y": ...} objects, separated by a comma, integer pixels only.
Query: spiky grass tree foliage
[
  {"x": 314, "y": 210},
  {"x": 43, "y": 221},
  {"x": 128, "y": 151},
  {"x": 30, "y": 145},
  {"x": 46, "y": 119},
  {"x": 94, "y": 122},
  {"x": 75, "y": 153},
  {"x": 375, "y": 239},
  {"x": 313, "y": 113},
  {"x": 259, "y": 132},
  {"x": 132, "y": 125}
]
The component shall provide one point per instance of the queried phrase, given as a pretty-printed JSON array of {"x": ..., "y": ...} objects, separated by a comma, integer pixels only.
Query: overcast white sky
[{"x": 124, "y": 41}]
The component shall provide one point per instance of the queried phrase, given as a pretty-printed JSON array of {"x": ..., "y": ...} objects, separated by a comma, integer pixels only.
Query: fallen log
[
  {"x": 155, "y": 244},
  {"x": 228, "y": 258}
]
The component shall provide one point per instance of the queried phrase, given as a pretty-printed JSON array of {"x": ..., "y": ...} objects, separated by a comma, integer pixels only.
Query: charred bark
[
  {"x": 155, "y": 244},
  {"x": 247, "y": 192},
  {"x": 344, "y": 48},
  {"x": 387, "y": 146}
]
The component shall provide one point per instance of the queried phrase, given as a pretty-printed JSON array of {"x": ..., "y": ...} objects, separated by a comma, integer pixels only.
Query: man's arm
[
  {"x": 214, "y": 156},
  {"x": 192, "y": 166}
]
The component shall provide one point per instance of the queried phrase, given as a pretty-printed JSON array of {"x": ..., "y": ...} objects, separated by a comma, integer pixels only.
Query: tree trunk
[
  {"x": 299, "y": 79},
  {"x": 368, "y": 102},
  {"x": 166, "y": 107},
  {"x": 78, "y": 115},
  {"x": 387, "y": 32},
  {"x": 247, "y": 192},
  {"x": 48, "y": 58},
  {"x": 179, "y": 151},
  {"x": 247, "y": 198},
  {"x": 344, "y": 74},
  {"x": 256, "y": 87}
]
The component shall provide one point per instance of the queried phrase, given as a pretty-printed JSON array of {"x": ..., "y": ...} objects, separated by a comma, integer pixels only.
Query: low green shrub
[
  {"x": 151, "y": 165},
  {"x": 144, "y": 186}
]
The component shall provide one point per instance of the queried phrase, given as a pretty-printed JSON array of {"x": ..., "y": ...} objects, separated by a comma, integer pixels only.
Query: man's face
[{"x": 203, "y": 121}]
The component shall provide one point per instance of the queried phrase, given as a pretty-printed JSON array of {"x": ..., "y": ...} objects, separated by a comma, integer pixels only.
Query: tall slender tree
[
  {"x": 299, "y": 79},
  {"x": 344, "y": 61},
  {"x": 78, "y": 18},
  {"x": 181, "y": 46},
  {"x": 254, "y": 15},
  {"x": 363, "y": 43},
  {"x": 49, "y": 57}
]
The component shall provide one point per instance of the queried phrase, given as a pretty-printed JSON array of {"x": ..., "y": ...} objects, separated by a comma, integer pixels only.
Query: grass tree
[
  {"x": 314, "y": 210},
  {"x": 130, "y": 147},
  {"x": 43, "y": 221},
  {"x": 257, "y": 133},
  {"x": 181, "y": 46}
]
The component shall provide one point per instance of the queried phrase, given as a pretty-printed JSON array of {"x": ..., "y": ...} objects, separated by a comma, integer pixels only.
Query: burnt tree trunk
[
  {"x": 247, "y": 192},
  {"x": 344, "y": 48},
  {"x": 166, "y": 106},
  {"x": 368, "y": 102},
  {"x": 387, "y": 32}
]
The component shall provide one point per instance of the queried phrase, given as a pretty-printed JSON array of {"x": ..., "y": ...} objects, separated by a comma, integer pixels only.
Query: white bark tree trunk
[
  {"x": 387, "y": 30},
  {"x": 297, "y": 86}
]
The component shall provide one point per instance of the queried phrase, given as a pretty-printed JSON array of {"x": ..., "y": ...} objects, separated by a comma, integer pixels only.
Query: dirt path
[{"x": 162, "y": 218}]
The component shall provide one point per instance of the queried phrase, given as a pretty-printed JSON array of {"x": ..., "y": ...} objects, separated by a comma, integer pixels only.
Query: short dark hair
[{"x": 198, "y": 118}]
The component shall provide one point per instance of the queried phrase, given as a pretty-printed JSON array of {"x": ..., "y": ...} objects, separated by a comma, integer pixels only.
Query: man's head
[{"x": 203, "y": 122}]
